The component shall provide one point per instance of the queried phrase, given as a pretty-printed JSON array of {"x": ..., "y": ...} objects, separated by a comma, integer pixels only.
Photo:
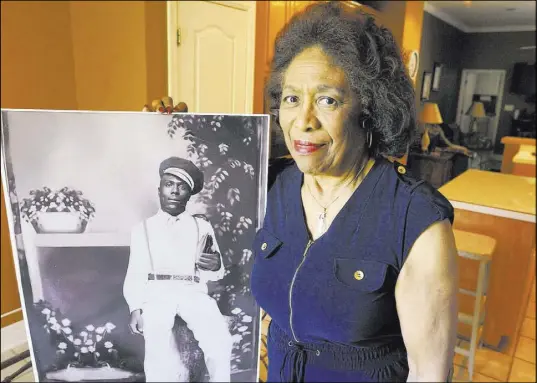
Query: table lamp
[
  {"x": 477, "y": 110},
  {"x": 429, "y": 115}
]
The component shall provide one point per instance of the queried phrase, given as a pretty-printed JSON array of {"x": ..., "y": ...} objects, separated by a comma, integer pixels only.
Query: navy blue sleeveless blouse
[{"x": 332, "y": 300}]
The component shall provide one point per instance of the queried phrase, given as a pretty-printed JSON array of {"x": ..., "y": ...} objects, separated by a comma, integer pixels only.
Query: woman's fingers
[
  {"x": 158, "y": 106},
  {"x": 168, "y": 104},
  {"x": 165, "y": 106},
  {"x": 181, "y": 108}
]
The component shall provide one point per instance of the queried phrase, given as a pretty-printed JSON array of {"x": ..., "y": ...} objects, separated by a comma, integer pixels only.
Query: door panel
[
  {"x": 212, "y": 45},
  {"x": 215, "y": 60}
]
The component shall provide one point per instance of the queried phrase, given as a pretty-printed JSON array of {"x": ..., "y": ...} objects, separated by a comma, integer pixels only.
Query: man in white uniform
[{"x": 172, "y": 256}]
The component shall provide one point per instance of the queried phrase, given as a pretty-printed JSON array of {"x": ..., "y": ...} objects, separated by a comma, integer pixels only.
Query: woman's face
[{"x": 316, "y": 111}]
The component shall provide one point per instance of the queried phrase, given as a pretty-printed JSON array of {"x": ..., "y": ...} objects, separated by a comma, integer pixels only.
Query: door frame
[
  {"x": 173, "y": 53},
  {"x": 499, "y": 104}
]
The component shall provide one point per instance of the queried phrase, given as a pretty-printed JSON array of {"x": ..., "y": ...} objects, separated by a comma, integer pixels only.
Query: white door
[
  {"x": 488, "y": 83},
  {"x": 211, "y": 55},
  {"x": 468, "y": 85}
]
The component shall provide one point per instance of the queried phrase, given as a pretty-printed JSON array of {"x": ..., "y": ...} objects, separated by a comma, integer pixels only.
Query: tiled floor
[
  {"x": 26, "y": 376},
  {"x": 491, "y": 366}
]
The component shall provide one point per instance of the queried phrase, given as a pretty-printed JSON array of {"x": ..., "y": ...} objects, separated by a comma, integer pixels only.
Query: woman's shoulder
[
  {"x": 415, "y": 193},
  {"x": 415, "y": 205}
]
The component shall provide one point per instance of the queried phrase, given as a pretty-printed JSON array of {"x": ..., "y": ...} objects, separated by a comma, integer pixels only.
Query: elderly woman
[{"x": 356, "y": 262}]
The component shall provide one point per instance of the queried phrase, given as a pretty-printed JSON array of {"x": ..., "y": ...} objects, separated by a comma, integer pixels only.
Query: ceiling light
[{"x": 467, "y": 3}]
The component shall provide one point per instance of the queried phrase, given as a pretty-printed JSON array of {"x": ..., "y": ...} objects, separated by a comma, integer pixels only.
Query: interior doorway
[
  {"x": 211, "y": 46},
  {"x": 484, "y": 85}
]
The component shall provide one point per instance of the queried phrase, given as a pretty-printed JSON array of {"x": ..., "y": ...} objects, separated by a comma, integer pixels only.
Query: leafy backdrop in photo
[{"x": 229, "y": 165}]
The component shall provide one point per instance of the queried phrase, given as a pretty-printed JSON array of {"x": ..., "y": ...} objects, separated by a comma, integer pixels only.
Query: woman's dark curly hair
[{"x": 371, "y": 61}]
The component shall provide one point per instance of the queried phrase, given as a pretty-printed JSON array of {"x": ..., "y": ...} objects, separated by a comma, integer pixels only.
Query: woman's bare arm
[{"x": 426, "y": 296}]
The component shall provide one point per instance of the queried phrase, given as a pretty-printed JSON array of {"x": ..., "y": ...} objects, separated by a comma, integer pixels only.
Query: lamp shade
[
  {"x": 430, "y": 114},
  {"x": 477, "y": 110}
]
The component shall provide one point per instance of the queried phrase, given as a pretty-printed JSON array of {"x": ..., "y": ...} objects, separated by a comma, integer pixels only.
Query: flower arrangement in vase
[
  {"x": 84, "y": 355},
  {"x": 88, "y": 348},
  {"x": 61, "y": 211}
]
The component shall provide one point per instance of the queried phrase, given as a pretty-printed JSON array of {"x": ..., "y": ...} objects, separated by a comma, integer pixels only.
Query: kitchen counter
[
  {"x": 494, "y": 193},
  {"x": 524, "y": 161}
]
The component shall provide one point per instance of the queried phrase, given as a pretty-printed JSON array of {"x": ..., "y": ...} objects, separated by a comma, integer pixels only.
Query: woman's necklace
[{"x": 321, "y": 221}]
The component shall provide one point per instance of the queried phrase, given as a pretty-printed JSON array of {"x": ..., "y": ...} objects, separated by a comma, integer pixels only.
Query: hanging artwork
[
  {"x": 132, "y": 235},
  {"x": 426, "y": 85},
  {"x": 437, "y": 75}
]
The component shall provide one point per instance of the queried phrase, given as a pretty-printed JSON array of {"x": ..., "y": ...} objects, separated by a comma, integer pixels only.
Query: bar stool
[{"x": 475, "y": 247}]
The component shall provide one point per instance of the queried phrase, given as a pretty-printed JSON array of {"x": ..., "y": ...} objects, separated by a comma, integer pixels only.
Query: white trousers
[{"x": 162, "y": 361}]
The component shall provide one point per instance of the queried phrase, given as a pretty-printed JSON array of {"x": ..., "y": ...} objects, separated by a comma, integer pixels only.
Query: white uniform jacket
[{"x": 172, "y": 246}]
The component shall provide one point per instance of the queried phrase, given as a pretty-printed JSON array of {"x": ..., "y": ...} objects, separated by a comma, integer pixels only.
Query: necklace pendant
[{"x": 321, "y": 224}]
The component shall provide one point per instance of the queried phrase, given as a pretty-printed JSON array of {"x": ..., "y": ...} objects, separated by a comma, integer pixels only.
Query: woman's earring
[{"x": 368, "y": 134}]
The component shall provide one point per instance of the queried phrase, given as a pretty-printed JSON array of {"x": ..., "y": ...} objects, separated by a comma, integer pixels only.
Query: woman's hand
[{"x": 165, "y": 106}]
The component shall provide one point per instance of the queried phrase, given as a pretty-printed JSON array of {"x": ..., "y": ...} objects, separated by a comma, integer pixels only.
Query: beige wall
[
  {"x": 37, "y": 55},
  {"x": 119, "y": 53},
  {"x": 106, "y": 55}
]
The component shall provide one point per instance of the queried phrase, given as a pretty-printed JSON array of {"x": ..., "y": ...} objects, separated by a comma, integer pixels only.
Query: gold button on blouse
[
  {"x": 401, "y": 169},
  {"x": 359, "y": 275},
  {"x": 264, "y": 246}
]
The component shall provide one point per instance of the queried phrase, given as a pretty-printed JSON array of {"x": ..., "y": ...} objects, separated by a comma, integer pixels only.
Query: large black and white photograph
[{"x": 132, "y": 237}]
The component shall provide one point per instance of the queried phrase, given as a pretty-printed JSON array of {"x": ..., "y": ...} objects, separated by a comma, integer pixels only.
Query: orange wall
[
  {"x": 77, "y": 55},
  {"x": 37, "y": 55},
  {"x": 10, "y": 295},
  {"x": 392, "y": 16},
  {"x": 120, "y": 55},
  {"x": 37, "y": 71},
  {"x": 412, "y": 28},
  {"x": 106, "y": 55},
  {"x": 413, "y": 25},
  {"x": 156, "y": 47},
  {"x": 405, "y": 21}
]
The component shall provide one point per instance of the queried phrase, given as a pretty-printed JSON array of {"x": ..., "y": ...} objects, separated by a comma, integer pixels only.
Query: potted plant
[
  {"x": 61, "y": 211},
  {"x": 89, "y": 354}
]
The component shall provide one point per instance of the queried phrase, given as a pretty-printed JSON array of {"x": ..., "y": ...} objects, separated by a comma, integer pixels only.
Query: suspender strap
[
  {"x": 148, "y": 247},
  {"x": 201, "y": 244}
]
